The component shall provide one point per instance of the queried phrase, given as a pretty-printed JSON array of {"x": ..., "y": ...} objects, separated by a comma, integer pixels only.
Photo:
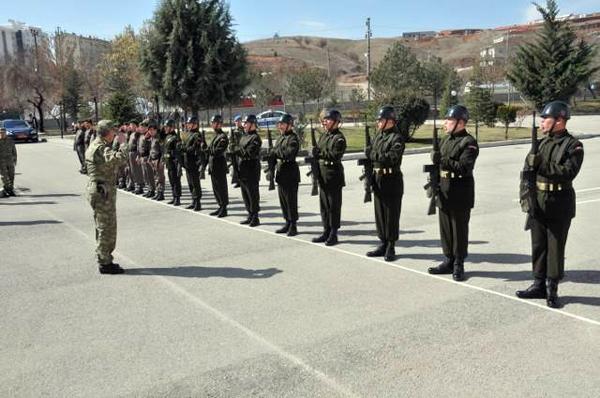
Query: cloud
[{"x": 531, "y": 13}]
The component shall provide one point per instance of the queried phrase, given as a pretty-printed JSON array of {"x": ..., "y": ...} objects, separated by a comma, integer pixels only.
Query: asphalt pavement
[{"x": 209, "y": 308}]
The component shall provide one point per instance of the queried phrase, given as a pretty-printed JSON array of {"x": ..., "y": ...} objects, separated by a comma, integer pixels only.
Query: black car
[{"x": 19, "y": 130}]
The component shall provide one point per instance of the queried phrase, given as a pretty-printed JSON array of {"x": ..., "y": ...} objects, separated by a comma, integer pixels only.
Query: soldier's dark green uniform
[
  {"x": 557, "y": 163},
  {"x": 156, "y": 160},
  {"x": 387, "y": 149},
  {"x": 234, "y": 139},
  {"x": 217, "y": 167},
  {"x": 331, "y": 149},
  {"x": 8, "y": 161},
  {"x": 173, "y": 161},
  {"x": 79, "y": 146},
  {"x": 191, "y": 146},
  {"x": 287, "y": 174},
  {"x": 249, "y": 171},
  {"x": 457, "y": 155}
]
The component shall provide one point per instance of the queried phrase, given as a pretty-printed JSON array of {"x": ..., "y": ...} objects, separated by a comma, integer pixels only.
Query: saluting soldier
[
  {"x": 330, "y": 150},
  {"x": 173, "y": 161},
  {"x": 137, "y": 179},
  {"x": 156, "y": 160},
  {"x": 456, "y": 157},
  {"x": 217, "y": 166},
  {"x": 249, "y": 171},
  {"x": 556, "y": 163},
  {"x": 287, "y": 173},
  {"x": 191, "y": 146},
  {"x": 386, "y": 154},
  {"x": 102, "y": 162}
]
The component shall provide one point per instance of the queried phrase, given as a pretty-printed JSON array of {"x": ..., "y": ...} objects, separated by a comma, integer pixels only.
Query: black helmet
[
  {"x": 458, "y": 112},
  {"x": 152, "y": 124},
  {"x": 556, "y": 109},
  {"x": 333, "y": 114},
  {"x": 217, "y": 119},
  {"x": 192, "y": 119},
  {"x": 387, "y": 112},
  {"x": 250, "y": 119},
  {"x": 286, "y": 118},
  {"x": 170, "y": 123}
]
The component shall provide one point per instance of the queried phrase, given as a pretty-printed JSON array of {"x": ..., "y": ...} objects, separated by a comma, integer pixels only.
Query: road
[{"x": 210, "y": 308}]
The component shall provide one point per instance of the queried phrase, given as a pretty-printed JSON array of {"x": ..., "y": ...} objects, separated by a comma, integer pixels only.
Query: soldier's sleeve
[
  {"x": 110, "y": 155},
  {"x": 253, "y": 147},
  {"x": 394, "y": 155},
  {"x": 290, "y": 151},
  {"x": 220, "y": 147},
  {"x": 466, "y": 160},
  {"x": 338, "y": 148},
  {"x": 567, "y": 169}
]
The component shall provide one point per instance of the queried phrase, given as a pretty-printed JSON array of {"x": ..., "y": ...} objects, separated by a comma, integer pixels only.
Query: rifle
[
  {"x": 204, "y": 155},
  {"x": 433, "y": 180},
  {"x": 313, "y": 160},
  {"x": 367, "y": 164},
  {"x": 528, "y": 187},
  {"x": 231, "y": 156},
  {"x": 271, "y": 161}
]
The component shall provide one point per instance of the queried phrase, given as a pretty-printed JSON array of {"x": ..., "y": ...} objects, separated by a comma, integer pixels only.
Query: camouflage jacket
[
  {"x": 102, "y": 162},
  {"x": 8, "y": 151}
]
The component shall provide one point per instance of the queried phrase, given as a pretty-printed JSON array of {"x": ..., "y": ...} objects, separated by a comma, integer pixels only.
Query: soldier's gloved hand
[
  {"x": 316, "y": 151},
  {"x": 533, "y": 160},
  {"x": 436, "y": 157}
]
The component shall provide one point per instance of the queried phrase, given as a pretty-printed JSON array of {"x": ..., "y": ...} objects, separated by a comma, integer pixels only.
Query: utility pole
[
  {"x": 506, "y": 66},
  {"x": 368, "y": 36}
]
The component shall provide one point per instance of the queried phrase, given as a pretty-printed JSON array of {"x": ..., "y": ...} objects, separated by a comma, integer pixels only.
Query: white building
[{"x": 16, "y": 38}]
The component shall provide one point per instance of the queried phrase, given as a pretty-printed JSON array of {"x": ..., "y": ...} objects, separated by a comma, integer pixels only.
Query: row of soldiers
[{"x": 556, "y": 164}]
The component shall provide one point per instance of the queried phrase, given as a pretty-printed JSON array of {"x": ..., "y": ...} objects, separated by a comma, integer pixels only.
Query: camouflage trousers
[
  {"x": 148, "y": 173},
  {"x": 158, "y": 169},
  {"x": 7, "y": 171},
  {"x": 135, "y": 171},
  {"x": 105, "y": 221}
]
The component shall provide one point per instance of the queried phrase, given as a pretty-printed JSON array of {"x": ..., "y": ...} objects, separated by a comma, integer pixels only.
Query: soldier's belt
[
  {"x": 328, "y": 162},
  {"x": 382, "y": 171},
  {"x": 449, "y": 174},
  {"x": 282, "y": 161},
  {"x": 552, "y": 187}
]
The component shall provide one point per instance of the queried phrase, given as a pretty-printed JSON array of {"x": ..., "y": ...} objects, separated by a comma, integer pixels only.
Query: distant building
[
  {"x": 459, "y": 32},
  {"x": 16, "y": 39},
  {"x": 418, "y": 35},
  {"x": 85, "y": 50}
]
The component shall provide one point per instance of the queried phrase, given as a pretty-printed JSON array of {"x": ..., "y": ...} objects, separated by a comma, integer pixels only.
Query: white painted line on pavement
[
  {"x": 390, "y": 264},
  {"x": 588, "y": 201},
  {"x": 329, "y": 381}
]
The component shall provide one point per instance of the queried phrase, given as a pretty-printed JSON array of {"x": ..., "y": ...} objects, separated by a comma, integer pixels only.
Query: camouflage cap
[{"x": 104, "y": 126}]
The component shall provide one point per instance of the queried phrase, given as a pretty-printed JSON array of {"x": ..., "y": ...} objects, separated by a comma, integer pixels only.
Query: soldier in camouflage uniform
[
  {"x": 8, "y": 161},
  {"x": 79, "y": 145},
  {"x": 173, "y": 161},
  {"x": 122, "y": 170},
  {"x": 156, "y": 160},
  {"x": 191, "y": 146},
  {"x": 330, "y": 150},
  {"x": 102, "y": 162},
  {"x": 144, "y": 159},
  {"x": 217, "y": 166},
  {"x": 249, "y": 171},
  {"x": 135, "y": 168}
]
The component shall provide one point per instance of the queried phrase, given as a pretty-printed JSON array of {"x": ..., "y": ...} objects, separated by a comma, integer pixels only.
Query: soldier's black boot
[
  {"x": 159, "y": 197},
  {"x": 172, "y": 201},
  {"x": 390, "y": 251},
  {"x": 552, "y": 293},
  {"x": 11, "y": 192},
  {"x": 284, "y": 229},
  {"x": 332, "y": 239},
  {"x": 323, "y": 237},
  {"x": 447, "y": 267},
  {"x": 177, "y": 202},
  {"x": 255, "y": 222},
  {"x": 4, "y": 194},
  {"x": 150, "y": 194},
  {"x": 379, "y": 251},
  {"x": 197, "y": 205},
  {"x": 222, "y": 212},
  {"x": 214, "y": 213},
  {"x": 536, "y": 291},
  {"x": 111, "y": 269},
  {"x": 130, "y": 188},
  {"x": 458, "y": 274},
  {"x": 247, "y": 220},
  {"x": 190, "y": 207},
  {"x": 139, "y": 191},
  {"x": 293, "y": 231}
]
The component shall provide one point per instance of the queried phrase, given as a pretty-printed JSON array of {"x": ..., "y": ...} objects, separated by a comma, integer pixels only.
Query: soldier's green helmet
[
  {"x": 333, "y": 114},
  {"x": 192, "y": 119},
  {"x": 170, "y": 123},
  {"x": 250, "y": 119},
  {"x": 104, "y": 126},
  {"x": 458, "y": 112},
  {"x": 556, "y": 109},
  {"x": 217, "y": 119},
  {"x": 286, "y": 118},
  {"x": 387, "y": 112}
]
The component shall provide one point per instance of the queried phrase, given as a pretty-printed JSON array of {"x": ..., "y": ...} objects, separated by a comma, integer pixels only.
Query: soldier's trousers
[
  {"x": 288, "y": 200},
  {"x": 251, "y": 196},
  {"x": 388, "y": 191},
  {"x": 135, "y": 170},
  {"x": 454, "y": 232},
  {"x": 193, "y": 179},
  {"x": 330, "y": 202},
  {"x": 548, "y": 240},
  {"x": 148, "y": 174},
  {"x": 158, "y": 170},
  {"x": 80, "y": 149},
  {"x": 105, "y": 221},
  {"x": 174, "y": 179},
  {"x": 7, "y": 172},
  {"x": 219, "y": 185}
]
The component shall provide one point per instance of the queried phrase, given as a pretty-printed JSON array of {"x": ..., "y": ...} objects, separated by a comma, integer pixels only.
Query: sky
[{"x": 258, "y": 19}]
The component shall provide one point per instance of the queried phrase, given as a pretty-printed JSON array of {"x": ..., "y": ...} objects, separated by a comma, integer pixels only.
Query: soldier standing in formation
[
  {"x": 121, "y": 171},
  {"x": 330, "y": 150},
  {"x": 144, "y": 158},
  {"x": 236, "y": 134},
  {"x": 173, "y": 161},
  {"x": 191, "y": 146},
  {"x": 287, "y": 173},
  {"x": 457, "y": 155},
  {"x": 556, "y": 163},
  {"x": 8, "y": 162},
  {"x": 134, "y": 158},
  {"x": 386, "y": 153},
  {"x": 79, "y": 145},
  {"x": 156, "y": 160},
  {"x": 102, "y": 162},
  {"x": 217, "y": 166},
  {"x": 249, "y": 170}
]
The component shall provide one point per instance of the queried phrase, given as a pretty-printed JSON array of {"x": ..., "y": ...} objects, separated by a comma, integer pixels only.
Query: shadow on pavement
[
  {"x": 574, "y": 276},
  {"x": 593, "y": 301},
  {"x": 52, "y": 195},
  {"x": 27, "y": 203},
  {"x": 496, "y": 258},
  {"x": 28, "y": 223},
  {"x": 410, "y": 243},
  {"x": 206, "y": 272}
]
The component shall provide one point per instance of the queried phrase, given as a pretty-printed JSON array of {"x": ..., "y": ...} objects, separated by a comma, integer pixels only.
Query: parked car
[
  {"x": 19, "y": 130},
  {"x": 269, "y": 118}
]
